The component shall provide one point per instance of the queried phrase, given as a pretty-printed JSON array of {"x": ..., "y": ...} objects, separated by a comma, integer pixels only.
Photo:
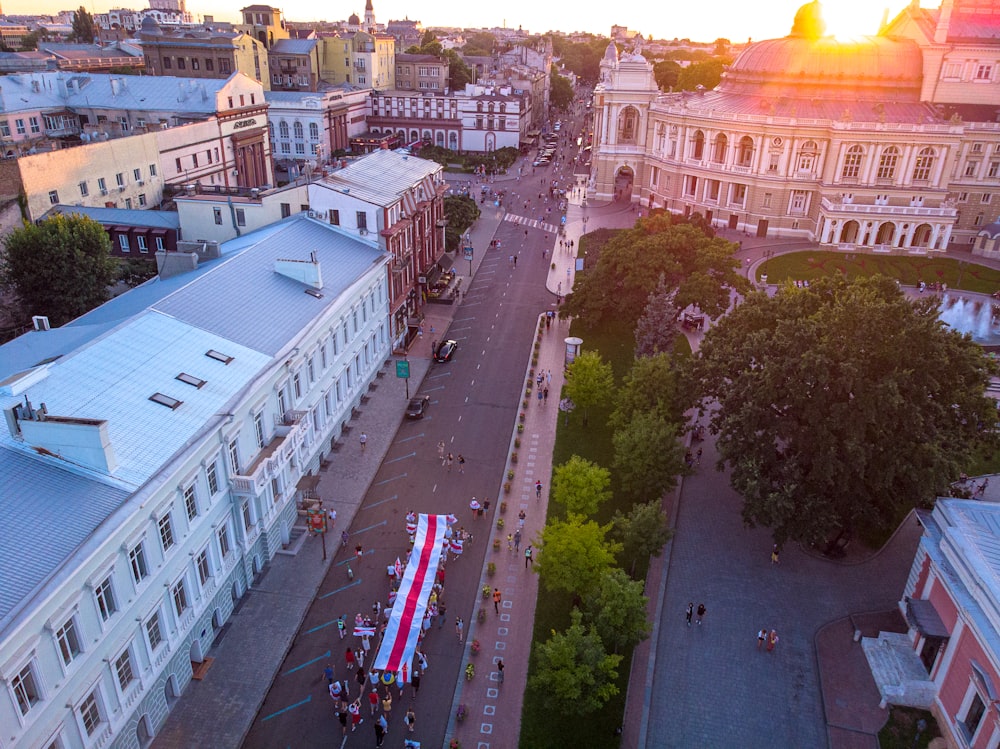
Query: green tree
[
  {"x": 666, "y": 73},
  {"x": 560, "y": 90},
  {"x": 461, "y": 212},
  {"x": 458, "y": 72},
  {"x": 83, "y": 27},
  {"x": 581, "y": 486},
  {"x": 652, "y": 385},
  {"x": 589, "y": 382},
  {"x": 480, "y": 43},
  {"x": 707, "y": 74},
  {"x": 61, "y": 267},
  {"x": 656, "y": 330},
  {"x": 843, "y": 405},
  {"x": 702, "y": 268},
  {"x": 641, "y": 533},
  {"x": 574, "y": 674},
  {"x": 648, "y": 455},
  {"x": 617, "y": 610},
  {"x": 573, "y": 554}
]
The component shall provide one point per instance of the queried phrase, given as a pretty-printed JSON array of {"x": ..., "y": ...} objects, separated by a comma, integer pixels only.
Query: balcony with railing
[
  {"x": 830, "y": 206},
  {"x": 273, "y": 457}
]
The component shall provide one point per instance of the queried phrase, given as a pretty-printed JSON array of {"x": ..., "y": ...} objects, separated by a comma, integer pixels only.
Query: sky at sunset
[{"x": 736, "y": 20}]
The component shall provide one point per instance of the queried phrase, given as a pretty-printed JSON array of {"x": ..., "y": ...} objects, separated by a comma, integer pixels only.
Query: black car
[
  {"x": 445, "y": 351},
  {"x": 418, "y": 407}
]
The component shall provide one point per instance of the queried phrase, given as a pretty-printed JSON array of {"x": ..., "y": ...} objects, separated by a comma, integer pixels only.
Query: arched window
[
  {"x": 313, "y": 131},
  {"x": 491, "y": 108},
  {"x": 924, "y": 165},
  {"x": 661, "y": 137},
  {"x": 887, "y": 163},
  {"x": 283, "y": 129},
  {"x": 807, "y": 156},
  {"x": 503, "y": 108},
  {"x": 719, "y": 148},
  {"x": 698, "y": 145},
  {"x": 440, "y": 139},
  {"x": 628, "y": 125},
  {"x": 479, "y": 106},
  {"x": 453, "y": 141},
  {"x": 744, "y": 151},
  {"x": 414, "y": 135},
  {"x": 852, "y": 162},
  {"x": 297, "y": 129}
]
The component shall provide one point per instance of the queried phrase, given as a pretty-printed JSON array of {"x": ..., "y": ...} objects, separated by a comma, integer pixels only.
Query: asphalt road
[{"x": 474, "y": 402}]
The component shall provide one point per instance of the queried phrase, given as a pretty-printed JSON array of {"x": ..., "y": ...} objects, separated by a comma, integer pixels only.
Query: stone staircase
[{"x": 899, "y": 675}]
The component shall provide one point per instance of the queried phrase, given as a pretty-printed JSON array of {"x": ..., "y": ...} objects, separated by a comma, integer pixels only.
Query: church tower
[{"x": 369, "y": 17}]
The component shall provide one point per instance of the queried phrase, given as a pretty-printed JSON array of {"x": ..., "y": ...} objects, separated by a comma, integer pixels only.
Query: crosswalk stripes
[{"x": 532, "y": 222}]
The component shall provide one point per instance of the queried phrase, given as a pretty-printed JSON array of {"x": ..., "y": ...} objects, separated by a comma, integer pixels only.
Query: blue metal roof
[{"x": 122, "y": 216}]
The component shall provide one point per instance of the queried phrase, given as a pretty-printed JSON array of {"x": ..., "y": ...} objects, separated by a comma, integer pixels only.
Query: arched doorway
[
  {"x": 491, "y": 142},
  {"x": 216, "y": 621},
  {"x": 170, "y": 690},
  {"x": 849, "y": 232},
  {"x": 885, "y": 233},
  {"x": 143, "y": 731},
  {"x": 922, "y": 236},
  {"x": 624, "y": 179},
  {"x": 195, "y": 655}
]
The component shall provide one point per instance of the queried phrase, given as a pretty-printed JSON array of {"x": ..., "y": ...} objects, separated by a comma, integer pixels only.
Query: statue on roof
[{"x": 809, "y": 23}]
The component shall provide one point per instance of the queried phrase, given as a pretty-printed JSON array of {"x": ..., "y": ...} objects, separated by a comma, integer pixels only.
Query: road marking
[
  {"x": 381, "y": 501},
  {"x": 472, "y": 383},
  {"x": 478, "y": 366},
  {"x": 401, "y": 457},
  {"x": 463, "y": 319},
  {"x": 386, "y": 481},
  {"x": 414, "y": 437},
  {"x": 466, "y": 399},
  {"x": 307, "y": 663},
  {"x": 483, "y": 354},
  {"x": 286, "y": 709},
  {"x": 340, "y": 590},
  {"x": 459, "y": 418},
  {"x": 431, "y": 390},
  {"x": 318, "y": 627},
  {"x": 370, "y": 527},
  {"x": 443, "y": 374}
]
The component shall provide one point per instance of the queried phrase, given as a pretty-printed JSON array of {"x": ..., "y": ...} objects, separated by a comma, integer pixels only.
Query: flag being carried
[{"x": 403, "y": 629}]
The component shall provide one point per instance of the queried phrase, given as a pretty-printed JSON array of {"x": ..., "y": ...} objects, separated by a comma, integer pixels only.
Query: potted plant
[
  {"x": 517, "y": 442},
  {"x": 491, "y": 570},
  {"x": 455, "y": 743},
  {"x": 523, "y": 416},
  {"x": 460, "y": 713},
  {"x": 503, "y": 508},
  {"x": 534, "y": 359},
  {"x": 481, "y": 616},
  {"x": 513, "y": 457},
  {"x": 524, "y": 403},
  {"x": 486, "y": 591},
  {"x": 506, "y": 487},
  {"x": 510, "y": 474},
  {"x": 520, "y": 428},
  {"x": 499, "y": 527},
  {"x": 496, "y": 544},
  {"x": 474, "y": 647}
]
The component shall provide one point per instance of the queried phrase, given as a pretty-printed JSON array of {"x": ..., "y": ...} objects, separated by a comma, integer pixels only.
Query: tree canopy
[
  {"x": 707, "y": 74},
  {"x": 666, "y": 73},
  {"x": 61, "y": 267},
  {"x": 458, "y": 72},
  {"x": 583, "y": 58},
  {"x": 656, "y": 330},
  {"x": 573, "y": 672},
  {"x": 842, "y": 405},
  {"x": 480, "y": 43},
  {"x": 617, "y": 610},
  {"x": 573, "y": 555},
  {"x": 461, "y": 212},
  {"x": 560, "y": 90},
  {"x": 581, "y": 486},
  {"x": 651, "y": 386},
  {"x": 589, "y": 381},
  {"x": 699, "y": 266},
  {"x": 641, "y": 533},
  {"x": 83, "y": 27},
  {"x": 648, "y": 455}
]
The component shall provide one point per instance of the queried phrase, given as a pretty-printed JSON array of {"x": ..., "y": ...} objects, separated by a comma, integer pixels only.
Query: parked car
[
  {"x": 418, "y": 407},
  {"x": 445, "y": 351}
]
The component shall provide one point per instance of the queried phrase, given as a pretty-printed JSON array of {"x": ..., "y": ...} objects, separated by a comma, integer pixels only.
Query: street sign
[
  {"x": 402, "y": 369},
  {"x": 468, "y": 253}
]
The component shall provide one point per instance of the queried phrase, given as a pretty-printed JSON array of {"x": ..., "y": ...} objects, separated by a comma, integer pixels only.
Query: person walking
[
  {"x": 387, "y": 705},
  {"x": 441, "y": 451},
  {"x": 520, "y": 519},
  {"x": 328, "y": 673},
  {"x": 517, "y": 540},
  {"x": 761, "y": 637},
  {"x": 342, "y": 623},
  {"x": 448, "y": 461},
  {"x": 538, "y": 489},
  {"x": 410, "y": 719},
  {"x": 349, "y": 657},
  {"x": 342, "y": 715},
  {"x": 373, "y": 701},
  {"x": 510, "y": 542},
  {"x": 459, "y": 628},
  {"x": 379, "y": 734},
  {"x": 359, "y": 656},
  {"x": 364, "y": 441},
  {"x": 774, "y": 554},
  {"x": 688, "y": 612},
  {"x": 499, "y": 670},
  {"x": 442, "y": 610},
  {"x": 461, "y": 463},
  {"x": 496, "y": 600},
  {"x": 527, "y": 557},
  {"x": 701, "y": 612},
  {"x": 355, "y": 711},
  {"x": 415, "y": 681},
  {"x": 772, "y": 640},
  {"x": 360, "y": 676}
]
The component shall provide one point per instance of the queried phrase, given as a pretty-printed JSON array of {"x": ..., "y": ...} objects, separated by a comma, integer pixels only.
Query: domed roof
[
  {"x": 802, "y": 65},
  {"x": 149, "y": 26},
  {"x": 353, "y": 19}
]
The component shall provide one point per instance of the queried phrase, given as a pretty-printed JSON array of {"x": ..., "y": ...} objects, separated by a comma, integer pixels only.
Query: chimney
[{"x": 84, "y": 442}]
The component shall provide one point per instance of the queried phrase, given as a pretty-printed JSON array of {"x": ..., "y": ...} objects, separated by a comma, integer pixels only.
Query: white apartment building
[{"x": 148, "y": 471}]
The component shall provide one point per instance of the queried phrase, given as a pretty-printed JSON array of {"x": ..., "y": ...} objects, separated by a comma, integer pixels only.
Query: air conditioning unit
[
  {"x": 104, "y": 192},
  {"x": 121, "y": 188},
  {"x": 141, "y": 182},
  {"x": 363, "y": 232},
  {"x": 311, "y": 214}
]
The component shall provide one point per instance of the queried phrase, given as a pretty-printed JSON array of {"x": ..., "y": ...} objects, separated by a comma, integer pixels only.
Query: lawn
[
  {"x": 907, "y": 269},
  {"x": 900, "y": 731}
]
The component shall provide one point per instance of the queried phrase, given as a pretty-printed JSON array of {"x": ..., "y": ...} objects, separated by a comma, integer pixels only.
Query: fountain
[{"x": 973, "y": 316}]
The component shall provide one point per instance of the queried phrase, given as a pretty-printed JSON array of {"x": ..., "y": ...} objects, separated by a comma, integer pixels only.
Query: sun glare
[{"x": 846, "y": 19}]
